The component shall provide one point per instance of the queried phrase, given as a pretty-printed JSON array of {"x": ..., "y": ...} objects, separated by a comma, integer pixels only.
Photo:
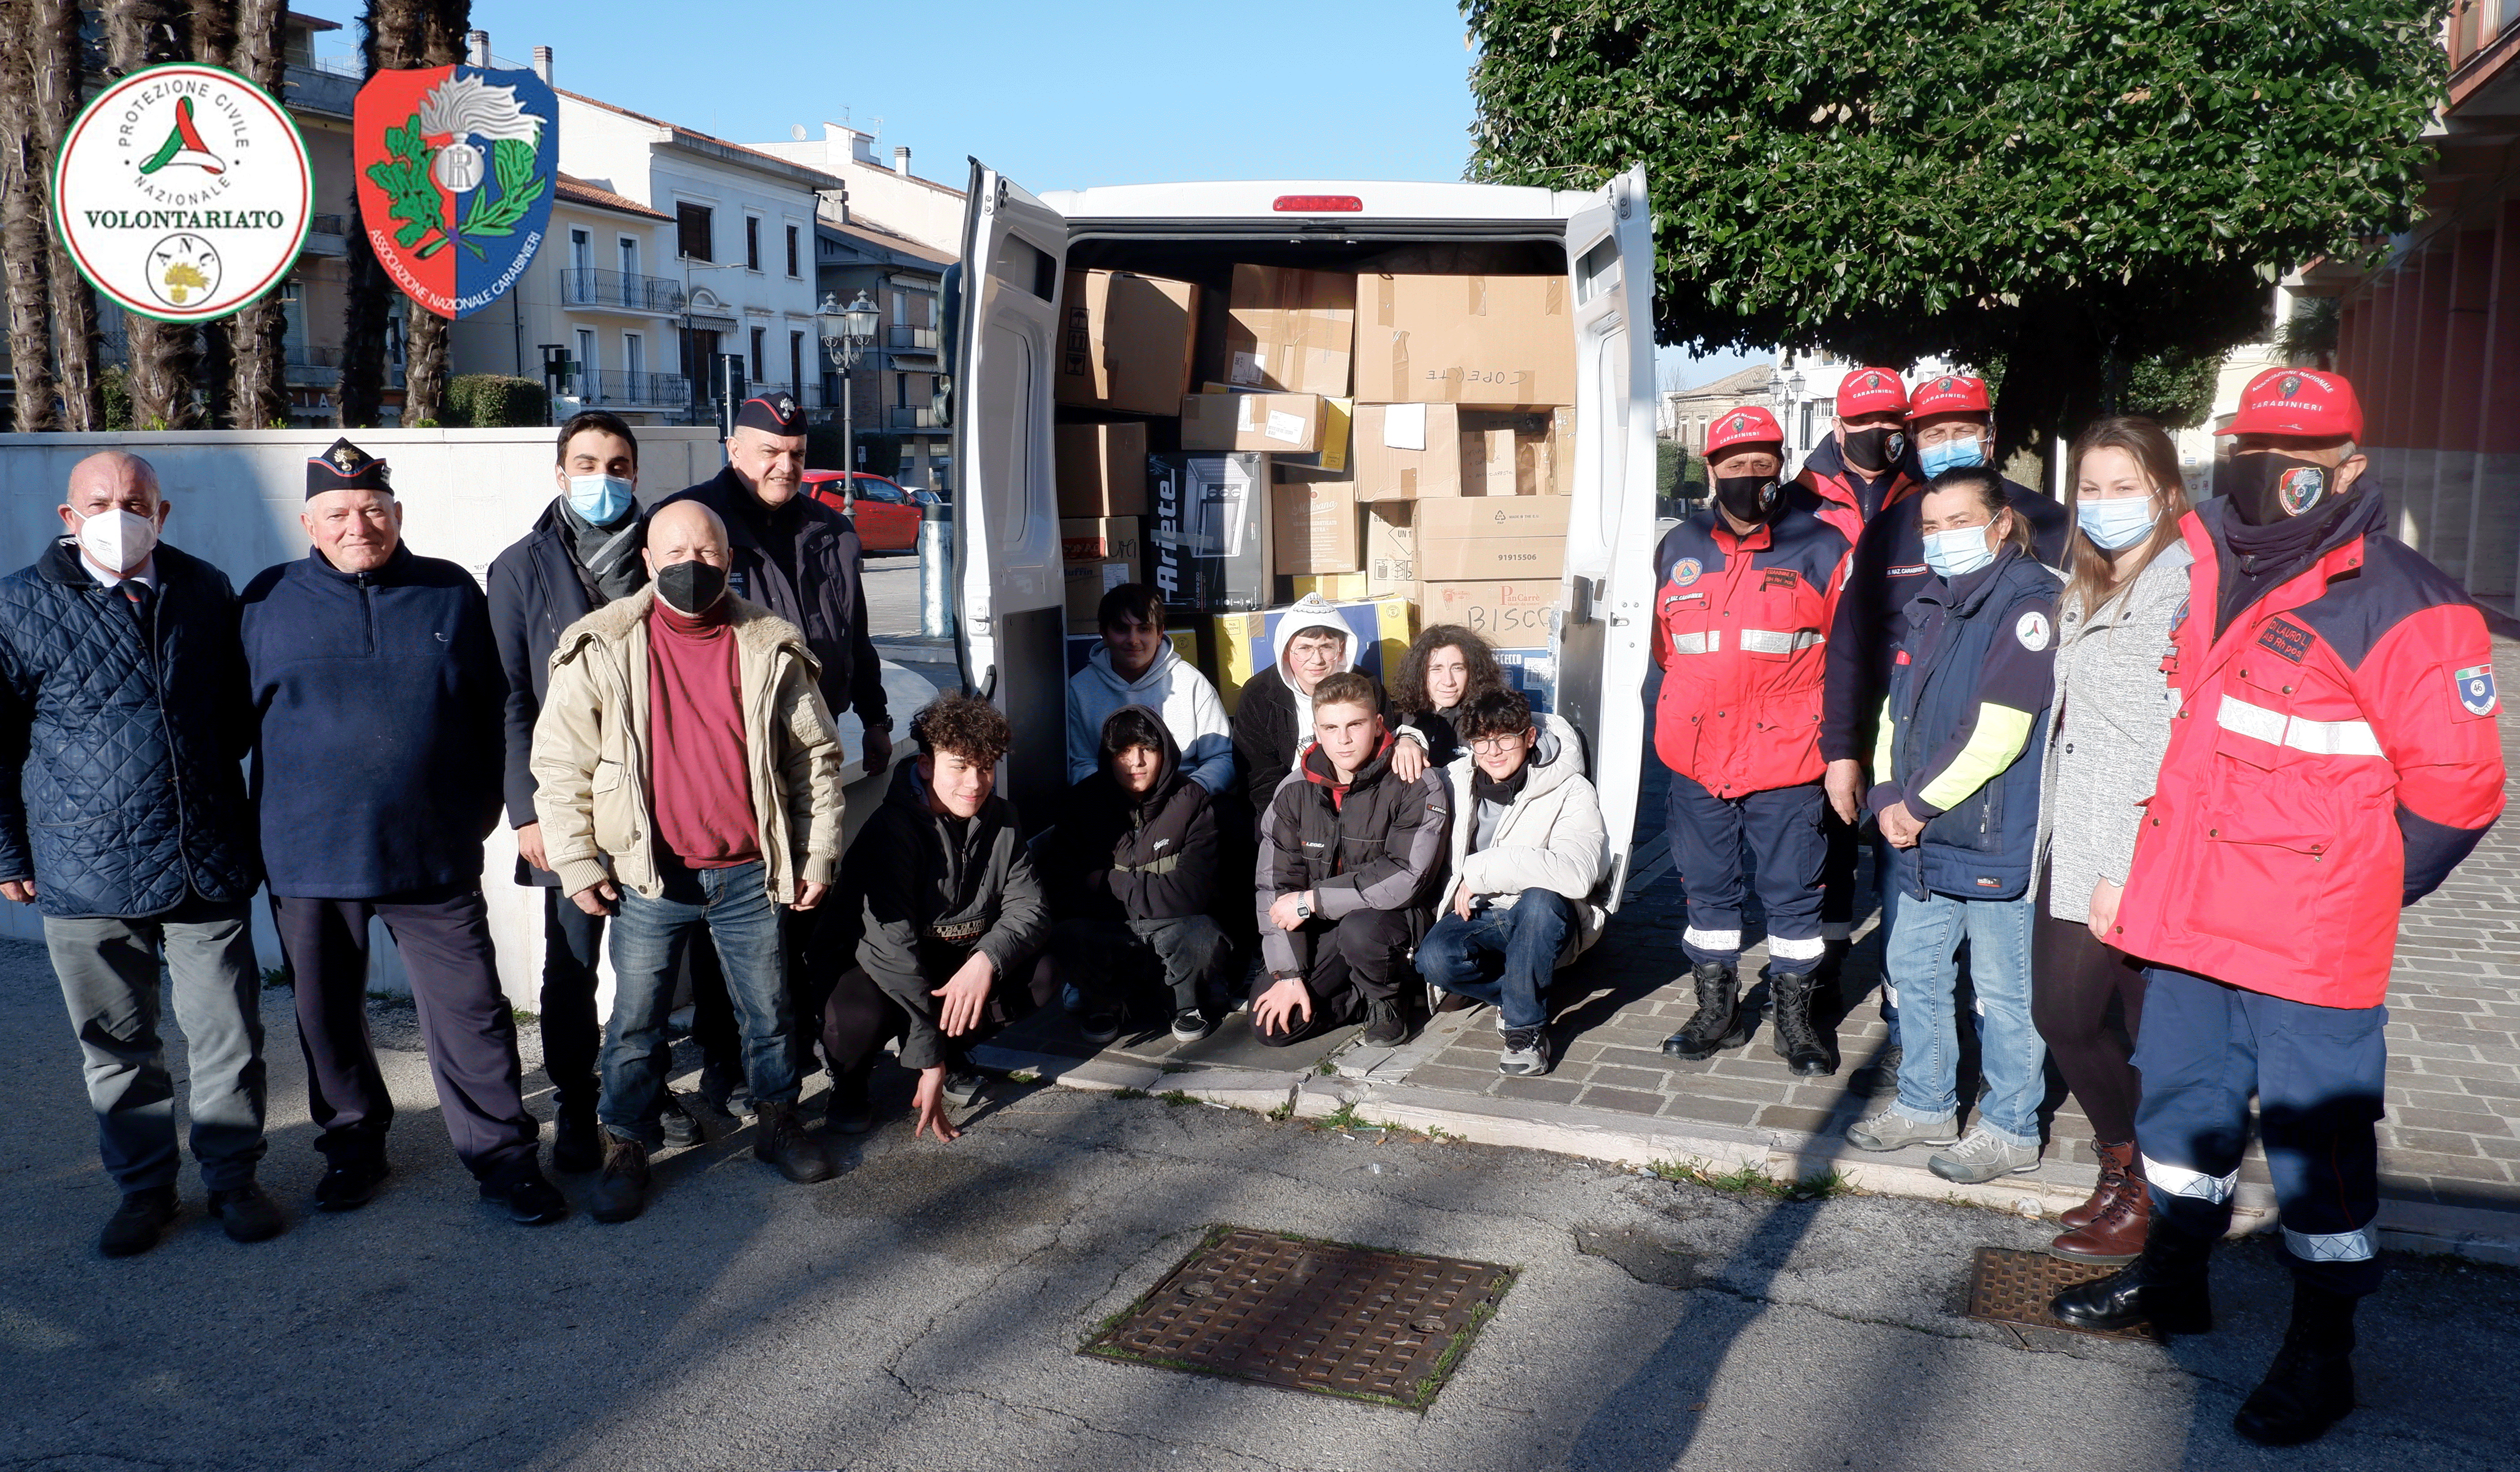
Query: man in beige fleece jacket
[{"x": 687, "y": 773}]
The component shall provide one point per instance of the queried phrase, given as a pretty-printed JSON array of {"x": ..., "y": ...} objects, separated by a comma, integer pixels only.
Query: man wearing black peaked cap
[
  {"x": 801, "y": 560},
  {"x": 377, "y": 773}
]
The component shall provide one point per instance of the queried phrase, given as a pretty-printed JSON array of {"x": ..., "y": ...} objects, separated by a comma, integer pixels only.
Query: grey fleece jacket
[{"x": 2113, "y": 707}]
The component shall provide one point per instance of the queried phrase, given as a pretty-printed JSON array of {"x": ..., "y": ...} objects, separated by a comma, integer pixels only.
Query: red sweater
[{"x": 701, "y": 794}]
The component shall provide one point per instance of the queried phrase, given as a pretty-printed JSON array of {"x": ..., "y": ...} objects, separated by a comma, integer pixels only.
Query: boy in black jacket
[
  {"x": 1133, "y": 867},
  {"x": 1350, "y": 856},
  {"x": 953, "y": 920}
]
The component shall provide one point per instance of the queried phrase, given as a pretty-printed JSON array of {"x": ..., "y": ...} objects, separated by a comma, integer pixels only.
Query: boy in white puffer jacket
[
  {"x": 1528, "y": 849},
  {"x": 1137, "y": 665}
]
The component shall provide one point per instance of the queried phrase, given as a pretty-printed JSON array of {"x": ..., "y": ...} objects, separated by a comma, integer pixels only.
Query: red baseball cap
[
  {"x": 2299, "y": 401},
  {"x": 1952, "y": 394},
  {"x": 1872, "y": 390},
  {"x": 1751, "y": 426}
]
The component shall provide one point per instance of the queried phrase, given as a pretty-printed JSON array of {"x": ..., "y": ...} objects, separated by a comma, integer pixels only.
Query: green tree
[{"x": 2064, "y": 187}]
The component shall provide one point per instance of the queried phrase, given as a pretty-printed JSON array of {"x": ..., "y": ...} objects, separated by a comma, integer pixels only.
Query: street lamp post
[
  {"x": 846, "y": 332},
  {"x": 1794, "y": 410}
]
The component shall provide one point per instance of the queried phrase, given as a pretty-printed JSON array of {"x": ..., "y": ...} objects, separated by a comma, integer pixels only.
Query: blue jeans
[
  {"x": 1503, "y": 956},
  {"x": 1920, "y": 961},
  {"x": 649, "y": 940}
]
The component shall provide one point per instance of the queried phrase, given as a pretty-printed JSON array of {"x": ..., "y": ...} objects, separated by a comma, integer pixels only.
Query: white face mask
[
  {"x": 1957, "y": 553},
  {"x": 117, "y": 539}
]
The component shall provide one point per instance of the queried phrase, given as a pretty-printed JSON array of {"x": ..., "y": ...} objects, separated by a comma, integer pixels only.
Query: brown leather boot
[
  {"x": 2115, "y": 1161},
  {"x": 2116, "y": 1235}
]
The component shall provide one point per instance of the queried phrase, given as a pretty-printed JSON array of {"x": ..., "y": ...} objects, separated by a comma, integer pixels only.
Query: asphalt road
[{"x": 923, "y": 1310}]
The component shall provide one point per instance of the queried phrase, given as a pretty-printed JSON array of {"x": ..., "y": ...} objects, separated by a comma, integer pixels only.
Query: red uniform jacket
[
  {"x": 1825, "y": 487},
  {"x": 2335, "y": 756},
  {"x": 1741, "y": 631}
]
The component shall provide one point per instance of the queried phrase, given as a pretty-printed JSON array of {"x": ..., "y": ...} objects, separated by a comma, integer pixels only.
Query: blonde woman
[{"x": 2128, "y": 581}]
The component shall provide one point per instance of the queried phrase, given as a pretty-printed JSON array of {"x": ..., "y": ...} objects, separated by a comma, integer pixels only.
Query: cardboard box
[
  {"x": 1491, "y": 518},
  {"x": 1406, "y": 452},
  {"x": 1390, "y": 550},
  {"x": 1452, "y": 559},
  {"x": 1102, "y": 539},
  {"x": 1330, "y": 587},
  {"x": 1290, "y": 331},
  {"x": 1125, "y": 341},
  {"x": 1316, "y": 529},
  {"x": 1207, "y": 531},
  {"x": 1245, "y": 641},
  {"x": 1287, "y": 424},
  {"x": 1087, "y": 582},
  {"x": 1464, "y": 340},
  {"x": 1491, "y": 467},
  {"x": 1080, "y": 647},
  {"x": 1101, "y": 469},
  {"x": 1506, "y": 615}
]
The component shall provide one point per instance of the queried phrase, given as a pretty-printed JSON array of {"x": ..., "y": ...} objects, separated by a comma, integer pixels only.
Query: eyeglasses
[{"x": 1499, "y": 745}]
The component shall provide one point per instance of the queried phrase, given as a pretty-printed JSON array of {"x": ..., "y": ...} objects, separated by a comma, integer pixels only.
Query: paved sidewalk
[{"x": 2449, "y": 1146}]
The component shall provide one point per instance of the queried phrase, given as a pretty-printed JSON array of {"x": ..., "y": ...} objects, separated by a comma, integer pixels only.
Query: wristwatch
[{"x": 1303, "y": 911}]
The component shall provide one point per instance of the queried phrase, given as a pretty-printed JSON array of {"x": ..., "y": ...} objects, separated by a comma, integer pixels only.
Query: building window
[
  {"x": 634, "y": 358},
  {"x": 796, "y": 353},
  {"x": 791, "y": 252},
  {"x": 629, "y": 256},
  {"x": 585, "y": 384},
  {"x": 1806, "y": 439},
  {"x": 760, "y": 358},
  {"x": 581, "y": 251},
  {"x": 753, "y": 242},
  {"x": 694, "y": 232},
  {"x": 901, "y": 309},
  {"x": 901, "y": 388}
]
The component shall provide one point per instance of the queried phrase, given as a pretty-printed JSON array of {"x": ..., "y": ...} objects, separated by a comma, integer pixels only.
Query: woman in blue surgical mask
[{"x": 2126, "y": 589}]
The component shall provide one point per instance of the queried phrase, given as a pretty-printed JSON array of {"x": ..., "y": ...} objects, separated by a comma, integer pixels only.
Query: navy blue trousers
[
  {"x": 2317, "y": 1073},
  {"x": 1787, "y": 848}
]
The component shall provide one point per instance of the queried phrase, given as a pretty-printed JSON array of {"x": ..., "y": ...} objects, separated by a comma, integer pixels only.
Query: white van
[{"x": 1007, "y": 587}]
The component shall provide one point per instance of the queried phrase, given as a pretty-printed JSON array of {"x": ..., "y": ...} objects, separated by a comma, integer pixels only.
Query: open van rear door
[
  {"x": 1602, "y": 637},
  {"x": 1007, "y": 589}
]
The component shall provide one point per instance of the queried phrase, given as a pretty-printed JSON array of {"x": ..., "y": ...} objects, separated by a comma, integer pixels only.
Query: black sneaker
[
  {"x": 1190, "y": 1024},
  {"x": 681, "y": 1129},
  {"x": 1099, "y": 1026},
  {"x": 527, "y": 1198},
  {"x": 1526, "y": 1052},
  {"x": 248, "y": 1213},
  {"x": 1384, "y": 1026},
  {"x": 136, "y": 1223},
  {"x": 352, "y": 1183}
]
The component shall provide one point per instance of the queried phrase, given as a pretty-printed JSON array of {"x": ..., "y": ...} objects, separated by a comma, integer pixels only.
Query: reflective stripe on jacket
[
  {"x": 2334, "y": 755},
  {"x": 1740, "y": 629}
]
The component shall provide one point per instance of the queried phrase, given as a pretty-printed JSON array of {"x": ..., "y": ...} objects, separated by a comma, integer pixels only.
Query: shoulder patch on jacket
[
  {"x": 1686, "y": 571},
  {"x": 2287, "y": 638},
  {"x": 2474, "y": 686},
  {"x": 2033, "y": 631}
]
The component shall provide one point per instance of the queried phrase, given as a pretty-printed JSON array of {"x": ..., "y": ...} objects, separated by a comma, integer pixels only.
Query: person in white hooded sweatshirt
[
  {"x": 1274, "y": 719},
  {"x": 1137, "y": 665}
]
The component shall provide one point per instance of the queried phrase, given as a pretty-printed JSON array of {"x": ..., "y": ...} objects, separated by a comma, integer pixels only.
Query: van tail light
[{"x": 1316, "y": 205}]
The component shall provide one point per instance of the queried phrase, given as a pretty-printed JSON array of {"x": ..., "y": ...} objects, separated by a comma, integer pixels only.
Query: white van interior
[{"x": 1017, "y": 248}]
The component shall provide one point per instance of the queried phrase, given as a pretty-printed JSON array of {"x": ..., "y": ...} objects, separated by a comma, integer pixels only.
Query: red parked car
[{"x": 888, "y": 515}]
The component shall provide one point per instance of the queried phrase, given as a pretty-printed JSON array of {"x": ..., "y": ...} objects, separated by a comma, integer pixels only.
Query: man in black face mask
[{"x": 1742, "y": 614}]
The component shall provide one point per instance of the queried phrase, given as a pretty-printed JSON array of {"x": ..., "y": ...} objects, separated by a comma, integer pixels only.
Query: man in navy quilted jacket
[{"x": 123, "y": 715}]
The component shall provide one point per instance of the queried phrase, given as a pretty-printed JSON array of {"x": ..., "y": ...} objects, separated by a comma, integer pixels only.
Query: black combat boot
[
  {"x": 1718, "y": 1023},
  {"x": 1791, "y": 1031},
  {"x": 2310, "y": 1385},
  {"x": 2166, "y": 1286}
]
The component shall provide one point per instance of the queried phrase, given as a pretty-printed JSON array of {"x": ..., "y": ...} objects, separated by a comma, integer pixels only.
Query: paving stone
[
  {"x": 1628, "y": 1100},
  {"x": 1548, "y": 1090},
  {"x": 1646, "y": 1079},
  {"x": 1462, "y": 1079}
]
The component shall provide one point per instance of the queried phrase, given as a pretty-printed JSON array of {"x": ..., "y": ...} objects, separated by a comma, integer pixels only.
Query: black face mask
[
  {"x": 1748, "y": 498},
  {"x": 691, "y": 589},
  {"x": 1876, "y": 449},
  {"x": 2268, "y": 488}
]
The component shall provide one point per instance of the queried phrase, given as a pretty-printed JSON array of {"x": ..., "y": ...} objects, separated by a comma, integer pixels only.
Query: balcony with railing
[
  {"x": 906, "y": 338},
  {"x": 621, "y": 388},
  {"x": 917, "y": 416},
  {"x": 587, "y": 287}
]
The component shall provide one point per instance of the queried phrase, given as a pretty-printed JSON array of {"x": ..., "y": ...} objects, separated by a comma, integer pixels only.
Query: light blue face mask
[
  {"x": 599, "y": 498},
  {"x": 1950, "y": 454},
  {"x": 2118, "y": 523},
  {"x": 1957, "y": 553}
]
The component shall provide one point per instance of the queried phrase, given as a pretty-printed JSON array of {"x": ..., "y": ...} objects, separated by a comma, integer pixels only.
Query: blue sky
[{"x": 1056, "y": 96}]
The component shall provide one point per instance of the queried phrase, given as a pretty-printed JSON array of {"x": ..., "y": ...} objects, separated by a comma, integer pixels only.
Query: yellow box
[
  {"x": 1335, "y": 587},
  {"x": 1243, "y": 641}
]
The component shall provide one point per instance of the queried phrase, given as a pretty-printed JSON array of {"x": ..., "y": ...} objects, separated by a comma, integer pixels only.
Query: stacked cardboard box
[
  {"x": 1271, "y": 423},
  {"x": 1484, "y": 537},
  {"x": 1207, "y": 531},
  {"x": 1101, "y": 469},
  {"x": 1126, "y": 342},
  {"x": 1464, "y": 340},
  {"x": 1290, "y": 331},
  {"x": 1317, "y": 527}
]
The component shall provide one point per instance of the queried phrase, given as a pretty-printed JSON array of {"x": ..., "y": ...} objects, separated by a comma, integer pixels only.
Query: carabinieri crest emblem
[{"x": 456, "y": 171}]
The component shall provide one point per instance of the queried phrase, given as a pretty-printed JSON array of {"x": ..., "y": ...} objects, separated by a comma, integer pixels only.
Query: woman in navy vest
[{"x": 1958, "y": 798}]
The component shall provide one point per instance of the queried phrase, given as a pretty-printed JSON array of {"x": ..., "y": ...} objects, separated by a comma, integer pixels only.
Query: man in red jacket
[
  {"x": 2335, "y": 756},
  {"x": 1742, "y": 613}
]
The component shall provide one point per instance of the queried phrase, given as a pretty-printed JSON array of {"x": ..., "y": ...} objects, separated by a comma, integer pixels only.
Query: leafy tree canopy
[{"x": 2055, "y": 185}]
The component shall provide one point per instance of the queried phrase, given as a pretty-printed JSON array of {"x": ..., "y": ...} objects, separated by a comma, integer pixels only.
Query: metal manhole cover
[
  {"x": 1369, "y": 1325},
  {"x": 2008, "y": 1285}
]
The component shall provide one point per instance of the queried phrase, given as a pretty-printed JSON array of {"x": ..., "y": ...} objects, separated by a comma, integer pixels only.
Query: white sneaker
[{"x": 1983, "y": 1156}]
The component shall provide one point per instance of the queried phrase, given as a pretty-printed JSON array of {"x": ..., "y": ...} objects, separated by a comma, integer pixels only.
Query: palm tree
[
  {"x": 443, "y": 24},
  {"x": 23, "y": 229},
  {"x": 392, "y": 36},
  {"x": 53, "y": 60},
  {"x": 259, "y": 336},
  {"x": 212, "y": 26},
  {"x": 165, "y": 356}
]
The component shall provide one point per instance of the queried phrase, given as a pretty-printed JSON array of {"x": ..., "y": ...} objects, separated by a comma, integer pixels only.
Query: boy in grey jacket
[{"x": 1528, "y": 848}]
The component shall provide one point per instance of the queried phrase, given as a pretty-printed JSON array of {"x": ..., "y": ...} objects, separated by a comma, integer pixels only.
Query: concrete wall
[{"x": 466, "y": 495}]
